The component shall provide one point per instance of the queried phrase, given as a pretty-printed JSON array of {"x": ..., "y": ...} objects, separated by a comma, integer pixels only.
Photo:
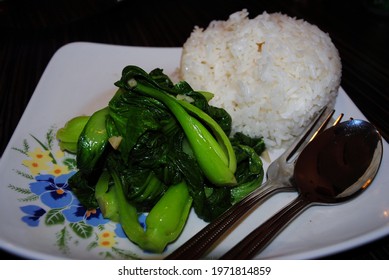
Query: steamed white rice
[{"x": 271, "y": 73}]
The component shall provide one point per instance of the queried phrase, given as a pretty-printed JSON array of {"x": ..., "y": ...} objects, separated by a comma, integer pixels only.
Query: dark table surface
[{"x": 32, "y": 31}]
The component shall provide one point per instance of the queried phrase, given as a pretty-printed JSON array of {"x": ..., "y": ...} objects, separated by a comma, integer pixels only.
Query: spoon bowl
[
  {"x": 334, "y": 167},
  {"x": 340, "y": 163}
]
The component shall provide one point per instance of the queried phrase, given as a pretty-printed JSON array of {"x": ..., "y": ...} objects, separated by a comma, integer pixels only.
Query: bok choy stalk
[
  {"x": 164, "y": 222},
  {"x": 69, "y": 134}
]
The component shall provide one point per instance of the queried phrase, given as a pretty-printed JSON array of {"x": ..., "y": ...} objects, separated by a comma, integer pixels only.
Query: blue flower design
[
  {"x": 34, "y": 213},
  {"x": 142, "y": 220},
  {"x": 53, "y": 191},
  {"x": 77, "y": 213},
  {"x": 119, "y": 232}
]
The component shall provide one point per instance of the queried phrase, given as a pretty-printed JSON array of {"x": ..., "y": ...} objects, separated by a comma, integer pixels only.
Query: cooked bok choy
[{"x": 159, "y": 147}]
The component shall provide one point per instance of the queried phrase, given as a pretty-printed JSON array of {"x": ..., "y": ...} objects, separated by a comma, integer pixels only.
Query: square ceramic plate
[{"x": 40, "y": 218}]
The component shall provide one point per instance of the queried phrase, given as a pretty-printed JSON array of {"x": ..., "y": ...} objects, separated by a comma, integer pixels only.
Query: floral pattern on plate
[{"x": 48, "y": 201}]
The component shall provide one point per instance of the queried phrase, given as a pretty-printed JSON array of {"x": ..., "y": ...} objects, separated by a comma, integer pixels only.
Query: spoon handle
[
  {"x": 260, "y": 237},
  {"x": 200, "y": 243}
]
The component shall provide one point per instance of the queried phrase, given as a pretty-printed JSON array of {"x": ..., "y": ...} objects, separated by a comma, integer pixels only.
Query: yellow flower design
[
  {"x": 41, "y": 160},
  {"x": 40, "y": 155},
  {"x": 106, "y": 239},
  {"x": 35, "y": 166},
  {"x": 58, "y": 170},
  {"x": 38, "y": 161}
]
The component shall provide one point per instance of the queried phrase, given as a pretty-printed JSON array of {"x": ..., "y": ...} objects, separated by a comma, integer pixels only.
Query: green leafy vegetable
[
  {"x": 214, "y": 154},
  {"x": 164, "y": 222},
  {"x": 69, "y": 134},
  {"x": 160, "y": 148},
  {"x": 92, "y": 141}
]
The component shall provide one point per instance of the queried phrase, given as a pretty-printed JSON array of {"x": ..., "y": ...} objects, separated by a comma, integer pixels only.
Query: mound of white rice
[{"x": 271, "y": 73}]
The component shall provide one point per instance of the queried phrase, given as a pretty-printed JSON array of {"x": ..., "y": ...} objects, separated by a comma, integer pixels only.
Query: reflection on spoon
[{"x": 336, "y": 166}]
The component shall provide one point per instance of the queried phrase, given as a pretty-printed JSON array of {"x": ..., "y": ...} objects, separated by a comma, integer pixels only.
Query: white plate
[{"x": 40, "y": 223}]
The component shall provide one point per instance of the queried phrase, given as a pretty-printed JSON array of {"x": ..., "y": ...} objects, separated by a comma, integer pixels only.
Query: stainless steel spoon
[{"x": 334, "y": 167}]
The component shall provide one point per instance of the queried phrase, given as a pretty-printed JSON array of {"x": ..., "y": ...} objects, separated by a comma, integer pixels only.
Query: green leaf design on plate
[
  {"x": 26, "y": 191},
  {"x": 24, "y": 174},
  {"x": 82, "y": 229},
  {"x": 92, "y": 245},
  {"x": 125, "y": 254},
  {"x": 71, "y": 163},
  {"x": 30, "y": 198},
  {"x": 50, "y": 137},
  {"x": 54, "y": 217},
  {"x": 62, "y": 240},
  {"x": 25, "y": 149}
]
